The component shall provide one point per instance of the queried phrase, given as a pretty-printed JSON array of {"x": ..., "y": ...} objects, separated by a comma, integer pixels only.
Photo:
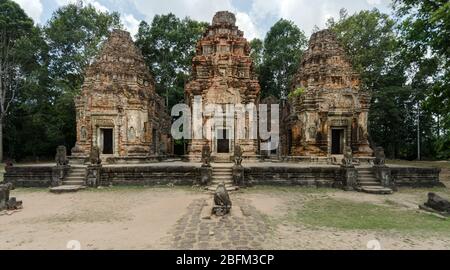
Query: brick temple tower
[
  {"x": 223, "y": 73},
  {"x": 118, "y": 109},
  {"x": 329, "y": 109}
]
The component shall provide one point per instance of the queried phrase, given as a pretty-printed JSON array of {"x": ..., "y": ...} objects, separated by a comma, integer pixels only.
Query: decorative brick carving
[
  {"x": 223, "y": 73},
  {"x": 118, "y": 107},
  {"x": 328, "y": 97}
]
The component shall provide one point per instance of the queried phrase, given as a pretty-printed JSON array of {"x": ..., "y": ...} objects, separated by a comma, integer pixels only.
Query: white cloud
[
  {"x": 245, "y": 23},
  {"x": 33, "y": 8},
  {"x": 202, "y": 10},
  {"x": 306, "y": 15},
  {"x": 131, "y": 24},
  {"x": 94, "y": 3},
  {"x": 373, "y": 2}
]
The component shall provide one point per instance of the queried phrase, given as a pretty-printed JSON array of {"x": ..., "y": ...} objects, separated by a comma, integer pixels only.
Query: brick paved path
[{"x": 243, "y": 229}]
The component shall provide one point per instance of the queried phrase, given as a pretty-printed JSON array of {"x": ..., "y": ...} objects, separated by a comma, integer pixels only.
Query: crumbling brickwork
[
  {"x": 118, "y": 109},
  {"x": 223, "y": 73},
  {"x": 329, "y": 108}
]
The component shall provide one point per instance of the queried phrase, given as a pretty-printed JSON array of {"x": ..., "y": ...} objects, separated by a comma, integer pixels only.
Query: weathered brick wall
[
  {"x": 30, "y": 176},
  {"x": 151, "y": 175},
  {"x": 291, "y": 176},
  {"x": 416, "y": 177}
]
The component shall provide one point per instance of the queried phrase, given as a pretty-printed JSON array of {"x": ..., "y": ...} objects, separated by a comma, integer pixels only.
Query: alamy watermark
[{"x": 240, "y": 122}]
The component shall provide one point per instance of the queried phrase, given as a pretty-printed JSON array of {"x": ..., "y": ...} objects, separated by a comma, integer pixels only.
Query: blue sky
[{"x": 254, "y": 17}]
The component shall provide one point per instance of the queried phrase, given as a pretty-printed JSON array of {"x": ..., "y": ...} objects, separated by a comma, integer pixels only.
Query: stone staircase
[
  {"x": 222, "y": 173},
  {"x": 368, "y": 183},
  {"x": 75, "y": 177},
  {"x": 73, "y": 182}
]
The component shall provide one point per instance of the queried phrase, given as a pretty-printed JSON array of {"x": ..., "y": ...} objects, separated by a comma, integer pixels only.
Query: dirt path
[
  {"x": 163, "y": 218},
  {"x": 128, "y": 219}
]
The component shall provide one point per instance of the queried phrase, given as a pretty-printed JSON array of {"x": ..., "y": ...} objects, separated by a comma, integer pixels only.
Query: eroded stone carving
[
  {"x": 222, "y": 201},
  {"x": 326, "y": 96},
  {"x": 7, "y": 203},
  {"x": 118, "y": 108},
  {"x": 348, "y": 157},
  {"x": 94, "y": 157},
  {"x": 61, "y": 156},
  {"x": 223, "y": 73},
  {"x": 206, "y": 156},
  {"x": 380, "y": 157}
]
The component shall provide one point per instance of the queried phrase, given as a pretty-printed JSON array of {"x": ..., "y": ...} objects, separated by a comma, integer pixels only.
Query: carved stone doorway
[
  {"x": 223, "y": 141},
  {"x": 107, "y": 141},
  {"x": 337, "y": 141}
]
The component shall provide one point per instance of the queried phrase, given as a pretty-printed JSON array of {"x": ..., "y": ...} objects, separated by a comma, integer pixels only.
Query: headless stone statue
[
  {"x": 437, "y": 203},
  {"x": 94, "y": 156},
  {"x": 61, "y": 156},
  {"x": 222, "y": 201}
]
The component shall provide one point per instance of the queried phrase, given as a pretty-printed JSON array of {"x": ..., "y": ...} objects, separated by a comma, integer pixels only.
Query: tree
[
  {"x": 425, "y": 36},
  {"x": 14, "y": 26},
  {"x": 283, "y": 47},
  {"x": 256, "y": 54},
  {"x": 168, "y": 46}
]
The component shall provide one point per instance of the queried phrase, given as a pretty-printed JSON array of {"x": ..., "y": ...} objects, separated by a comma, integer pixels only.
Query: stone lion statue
[
  {"x": 222, "y": 201},
  {"x": 61, "y": 156},
  {"x": 238, "y": 155},
  {"x": 206, "y": 156},
  {"x": 94, "y": 156},
  {"x": 380, "y": 157},
  {"x": 348, "y": 156}
]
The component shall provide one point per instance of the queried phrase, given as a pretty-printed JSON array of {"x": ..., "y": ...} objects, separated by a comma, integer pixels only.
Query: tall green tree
[
  {"x": 15, "y": 25},
  {"x": 425, "y": 37},
  {"x": 283, "y": 47},
  {"x": 256, "y": 53},
  {"x": 168, "y": 46}
]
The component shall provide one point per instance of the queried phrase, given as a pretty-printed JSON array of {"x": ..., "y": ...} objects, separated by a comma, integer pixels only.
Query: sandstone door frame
[{"x": 342, "y": 139}]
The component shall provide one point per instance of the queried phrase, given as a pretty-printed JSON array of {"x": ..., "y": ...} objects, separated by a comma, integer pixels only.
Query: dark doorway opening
[
  {"x": 107, "y": 141},
  {"x": 337, "y": 141},
  {"x": 223, "y": 142}
]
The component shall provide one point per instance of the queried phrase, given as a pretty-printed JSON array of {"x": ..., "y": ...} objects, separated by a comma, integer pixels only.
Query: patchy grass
[
  {"x": 158, "y": 188},
  {"x": 280, "y": 190},
  {"x": 438, "y": 190},
  {"x": 434, "y": 164},
  {"x": 348, "y": 215}
]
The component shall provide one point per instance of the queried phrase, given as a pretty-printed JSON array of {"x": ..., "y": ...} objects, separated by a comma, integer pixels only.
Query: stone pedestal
[
  {"x": 93, "y": 178},
  {"x": 58, "y": 174},
  {"x": 349, "y": 177},
  {"x": 205, "y": 175}
]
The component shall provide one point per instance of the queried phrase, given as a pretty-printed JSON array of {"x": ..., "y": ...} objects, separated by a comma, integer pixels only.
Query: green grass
[
  {"x": 434, "y": 164},
  {"x": 285, "y": 190},
  {"x": 348, "y": 215}
]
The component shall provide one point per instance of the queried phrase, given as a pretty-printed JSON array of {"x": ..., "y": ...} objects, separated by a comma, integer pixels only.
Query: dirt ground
[{"x": 155, "y": 218}]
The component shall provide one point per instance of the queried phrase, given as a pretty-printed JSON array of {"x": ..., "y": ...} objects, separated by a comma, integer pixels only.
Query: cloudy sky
[{"x": 254, "y": 17}]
